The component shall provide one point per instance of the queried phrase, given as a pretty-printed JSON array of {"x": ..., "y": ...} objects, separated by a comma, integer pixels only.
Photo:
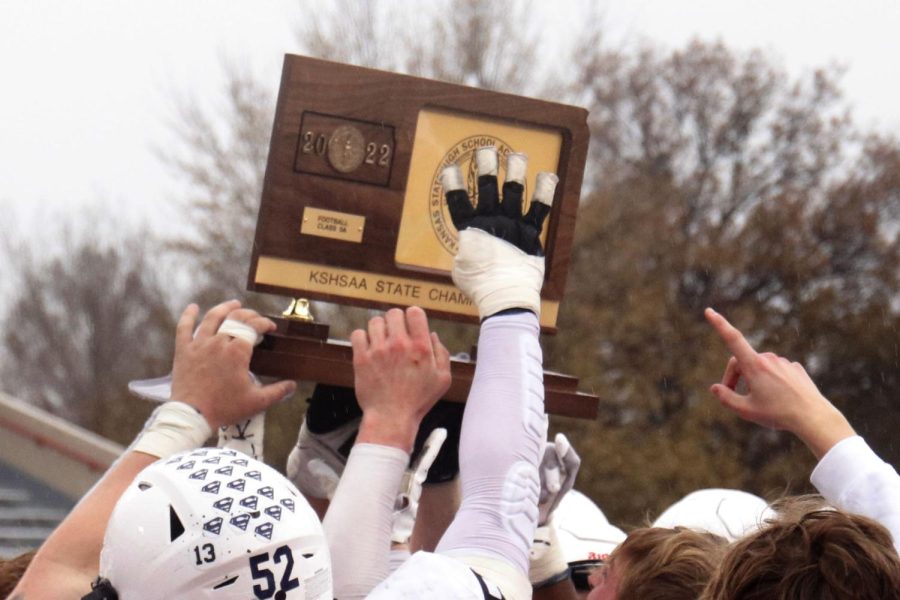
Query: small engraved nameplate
[{"x": 332, "y": 224}]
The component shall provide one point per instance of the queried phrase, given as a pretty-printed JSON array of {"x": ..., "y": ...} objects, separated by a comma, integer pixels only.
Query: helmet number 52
[{"x": 260, "y": 571}]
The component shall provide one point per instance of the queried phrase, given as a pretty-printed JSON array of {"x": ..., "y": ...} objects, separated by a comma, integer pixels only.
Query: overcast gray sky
[{"x": 87, "y": 85}]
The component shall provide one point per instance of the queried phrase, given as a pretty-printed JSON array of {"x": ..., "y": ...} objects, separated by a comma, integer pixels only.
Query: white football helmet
[
  {"x": 728, "y": 513},
  {"x": 585, "y": 536},
  {"x": 584, "y": 532},
  {"x": 215, "y": 524}
]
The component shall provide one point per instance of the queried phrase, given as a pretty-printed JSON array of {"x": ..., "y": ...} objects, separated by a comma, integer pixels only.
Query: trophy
[{"x": 353, "y": 212}]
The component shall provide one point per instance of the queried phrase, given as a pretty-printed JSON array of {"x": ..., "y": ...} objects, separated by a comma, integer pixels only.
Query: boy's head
[
  {"x": 660, "y": 563},
  {"x": 810, "y": 553}
]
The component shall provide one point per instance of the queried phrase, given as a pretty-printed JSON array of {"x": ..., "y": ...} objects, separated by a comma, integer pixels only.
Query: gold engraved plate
[
  {"x": 392, "y": 291},
  {"x": 332, "y": 224},
  {"x": 346, "y": 149},
  {"x": 428, "y": 240}
]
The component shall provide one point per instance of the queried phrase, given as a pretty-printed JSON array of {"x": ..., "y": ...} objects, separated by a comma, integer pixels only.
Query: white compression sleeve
[
  {"x": 502, "y": 441},
  {"x": 853, "y": 478},
  {"x": 359, "y": 520}
]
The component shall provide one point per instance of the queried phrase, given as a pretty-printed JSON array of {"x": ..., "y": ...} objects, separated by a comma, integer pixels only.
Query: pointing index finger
[{"x": 732, "y": 337}]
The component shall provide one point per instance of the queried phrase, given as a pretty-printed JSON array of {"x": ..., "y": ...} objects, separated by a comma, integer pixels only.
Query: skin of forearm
[
  {"x": 388, "y": 430},
  {"x": 69, "y": 560},
  {"x": 824, "y": 428}
]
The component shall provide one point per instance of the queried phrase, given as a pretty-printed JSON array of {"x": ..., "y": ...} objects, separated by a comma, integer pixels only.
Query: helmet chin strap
[{"x": 102, "y": 589}]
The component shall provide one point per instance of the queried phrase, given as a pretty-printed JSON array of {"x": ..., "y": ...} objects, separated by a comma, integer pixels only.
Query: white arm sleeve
[
  {"x": 853, "y": 478},
  {"x": 359, "y": 520}
]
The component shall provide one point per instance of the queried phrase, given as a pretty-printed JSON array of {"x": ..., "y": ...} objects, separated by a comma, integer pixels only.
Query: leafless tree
[{"x": 87, "y": 315}]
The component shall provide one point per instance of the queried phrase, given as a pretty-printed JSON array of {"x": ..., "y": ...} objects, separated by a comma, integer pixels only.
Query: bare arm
[
  {"x": 781, "y": 395},
  {"x": 210, "y": 374}
]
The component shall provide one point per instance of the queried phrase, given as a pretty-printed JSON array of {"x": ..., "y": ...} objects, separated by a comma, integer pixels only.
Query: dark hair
[
  {"x": 810, "y": 554},
  {"x": 11, "y": 572},
  {"x": 657, "y": 563}
]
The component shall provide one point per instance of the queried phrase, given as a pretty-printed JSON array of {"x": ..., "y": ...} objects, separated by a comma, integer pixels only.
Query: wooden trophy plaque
[{"x": 353, "y": 212}]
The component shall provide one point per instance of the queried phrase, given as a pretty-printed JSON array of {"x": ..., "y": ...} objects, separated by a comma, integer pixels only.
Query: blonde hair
[{"x": 658, "y": 563}]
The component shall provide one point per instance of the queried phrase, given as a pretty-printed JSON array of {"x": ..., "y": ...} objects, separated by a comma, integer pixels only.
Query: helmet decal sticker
[
  {"x": 201, "y": 474},
  {"x": 237, "y": 484},
  {"x": 250, "y": 502},
  {"x": 214, "y": 526},
  {"x": 240, "y": 521},
  {"x": 211, "y": 488},
  {"x": 265, "y": 530},
  {"x": 224, "y": 504},
  {"x": 274, "y": 512},
  {"x": 267, "y": 491},
  {"x": 254, "y": 475}
]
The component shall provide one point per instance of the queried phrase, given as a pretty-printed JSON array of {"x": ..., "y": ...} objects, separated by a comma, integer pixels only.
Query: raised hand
[
  {"x": 558, "y": 470},
  {"x": 499, "y": 264},
  {"x": 400, "y": 370},
  {"x": 781, "y": 395},
  {"x": 211, "y": 368}
]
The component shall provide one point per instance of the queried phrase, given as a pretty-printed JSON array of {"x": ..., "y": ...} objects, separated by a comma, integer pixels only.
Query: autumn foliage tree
[
  {"x": 90, "y": 312},
  {"x": 721, "y": 181}
]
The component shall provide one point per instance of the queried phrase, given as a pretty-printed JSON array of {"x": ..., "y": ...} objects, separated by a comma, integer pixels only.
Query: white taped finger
[
  {"x": 239, "y": 330},
  {"x": 516, "y": 167},
  {"x": 486, "y": 160},
  {"x": 452, "y": 179},
  {"x": 545, "y": 187},
  {"x": 562, "y": 444}
]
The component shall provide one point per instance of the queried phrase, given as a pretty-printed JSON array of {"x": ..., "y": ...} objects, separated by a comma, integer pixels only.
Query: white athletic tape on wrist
[
  {"x": 516, "y": 167},
  {"x": 496, "y": 275},
  {"x": 452, "y": 178},
  {"x": 240, "y": 330},
  {"x": 172, "y": 428},
  {"x": 547, "y": 559},
  {"x": 545, "y": 187},
  {"x": 486, "y": 160}
]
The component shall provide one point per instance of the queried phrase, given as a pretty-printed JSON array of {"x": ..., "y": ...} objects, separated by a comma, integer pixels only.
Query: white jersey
[{"x": 433, "y": 576}]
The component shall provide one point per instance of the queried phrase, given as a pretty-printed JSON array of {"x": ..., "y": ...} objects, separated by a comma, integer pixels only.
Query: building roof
[{"x": 46, "y": 465}]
